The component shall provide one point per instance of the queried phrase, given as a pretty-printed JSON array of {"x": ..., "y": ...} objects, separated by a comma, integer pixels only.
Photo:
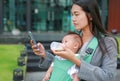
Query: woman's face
[{"x": 79, "y": 17}]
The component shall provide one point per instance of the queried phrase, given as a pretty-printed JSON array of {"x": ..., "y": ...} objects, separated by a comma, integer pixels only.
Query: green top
[{"x": 60, "y": 70}]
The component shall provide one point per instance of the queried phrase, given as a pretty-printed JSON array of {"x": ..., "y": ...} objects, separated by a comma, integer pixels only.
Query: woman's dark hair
[{"x": 91, "y": 7}]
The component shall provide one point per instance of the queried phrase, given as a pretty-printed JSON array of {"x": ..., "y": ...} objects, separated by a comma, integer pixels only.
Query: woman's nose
[{"x": 73, "y": 18}]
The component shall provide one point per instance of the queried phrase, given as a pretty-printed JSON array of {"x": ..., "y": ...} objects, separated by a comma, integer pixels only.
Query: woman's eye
[{"x": 76, "y": 14}]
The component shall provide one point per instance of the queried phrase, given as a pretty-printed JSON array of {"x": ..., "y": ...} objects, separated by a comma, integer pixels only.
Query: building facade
[
  {"x": 114, "y": 15},
  {"x": 40, "y": 15}
]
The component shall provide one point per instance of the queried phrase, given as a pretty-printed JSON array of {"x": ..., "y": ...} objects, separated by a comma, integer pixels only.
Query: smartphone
[{"x": 32, "y": 38}]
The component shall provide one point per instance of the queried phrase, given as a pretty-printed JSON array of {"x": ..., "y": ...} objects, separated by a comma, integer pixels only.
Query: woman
[{"x": 103, "y": 63}]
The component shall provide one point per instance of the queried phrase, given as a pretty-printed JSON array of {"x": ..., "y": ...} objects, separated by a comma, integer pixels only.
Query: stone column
[
  {"x": 12, "y": 14},
  {"x": 1, "y": 16}
]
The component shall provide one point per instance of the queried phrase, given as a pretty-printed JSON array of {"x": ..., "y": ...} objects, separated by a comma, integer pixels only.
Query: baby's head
[{"x": 72, "y": 41}]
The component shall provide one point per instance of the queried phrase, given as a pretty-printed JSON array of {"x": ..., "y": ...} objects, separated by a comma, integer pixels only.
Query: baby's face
[{"x": 69, "y": 42}]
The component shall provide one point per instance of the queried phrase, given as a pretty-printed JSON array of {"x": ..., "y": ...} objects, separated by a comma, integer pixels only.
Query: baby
[{"x": 62, "y": 69}]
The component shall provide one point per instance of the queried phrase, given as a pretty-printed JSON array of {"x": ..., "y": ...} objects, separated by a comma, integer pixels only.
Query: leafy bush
[{"x": 118, "y": 39}]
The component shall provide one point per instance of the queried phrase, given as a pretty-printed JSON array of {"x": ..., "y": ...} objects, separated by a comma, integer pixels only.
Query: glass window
[
  {"x": 14, "y": 15},
  {"x": 46, "y": 15}
]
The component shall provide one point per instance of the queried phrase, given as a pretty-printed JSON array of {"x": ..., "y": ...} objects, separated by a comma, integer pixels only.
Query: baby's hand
[{"x": 47, "y": 77}]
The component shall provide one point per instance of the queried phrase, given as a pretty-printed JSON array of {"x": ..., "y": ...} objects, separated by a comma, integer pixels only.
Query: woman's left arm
[{"x": 102, "y": 66}]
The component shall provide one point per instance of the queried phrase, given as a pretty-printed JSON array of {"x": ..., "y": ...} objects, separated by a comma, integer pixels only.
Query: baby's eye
[{"x": 64, "y": 41}]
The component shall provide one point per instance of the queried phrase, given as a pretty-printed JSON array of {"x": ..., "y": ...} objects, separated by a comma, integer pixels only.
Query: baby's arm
[
  {"x": 48, "y": 73},
  {"x": 75, "y": 77}
]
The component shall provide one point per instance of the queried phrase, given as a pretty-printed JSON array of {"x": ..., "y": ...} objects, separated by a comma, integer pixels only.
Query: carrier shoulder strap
[{"x": 91, "y": 47}]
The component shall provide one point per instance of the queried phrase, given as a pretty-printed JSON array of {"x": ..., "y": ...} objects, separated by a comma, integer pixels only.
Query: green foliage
[
  {"x": 8, "y": 60},
  {"x": 118, "y": 39}
]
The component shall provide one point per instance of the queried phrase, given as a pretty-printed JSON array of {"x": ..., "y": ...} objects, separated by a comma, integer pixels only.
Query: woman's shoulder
[{"x": 110, "y": 40}]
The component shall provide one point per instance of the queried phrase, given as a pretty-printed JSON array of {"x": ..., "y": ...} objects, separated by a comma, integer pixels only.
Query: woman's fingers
[
  {"x": 38, "y": 49},
  {"x": 66, "y": 53},
  {"x": 31, "y": 42}
]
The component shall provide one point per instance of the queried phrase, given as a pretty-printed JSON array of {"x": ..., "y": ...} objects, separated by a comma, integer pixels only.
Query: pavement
[
  {"x": 34, "y": 76},
  {"x": 37, "y": 76}
]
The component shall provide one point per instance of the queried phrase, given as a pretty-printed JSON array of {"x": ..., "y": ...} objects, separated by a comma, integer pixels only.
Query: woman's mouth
[{"x": 75, "y": 24}]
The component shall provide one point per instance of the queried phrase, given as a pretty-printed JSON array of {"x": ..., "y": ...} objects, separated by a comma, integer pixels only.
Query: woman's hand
[
  {"x": 38, "y": 51},
  {"x": 68, "y": 54}
]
